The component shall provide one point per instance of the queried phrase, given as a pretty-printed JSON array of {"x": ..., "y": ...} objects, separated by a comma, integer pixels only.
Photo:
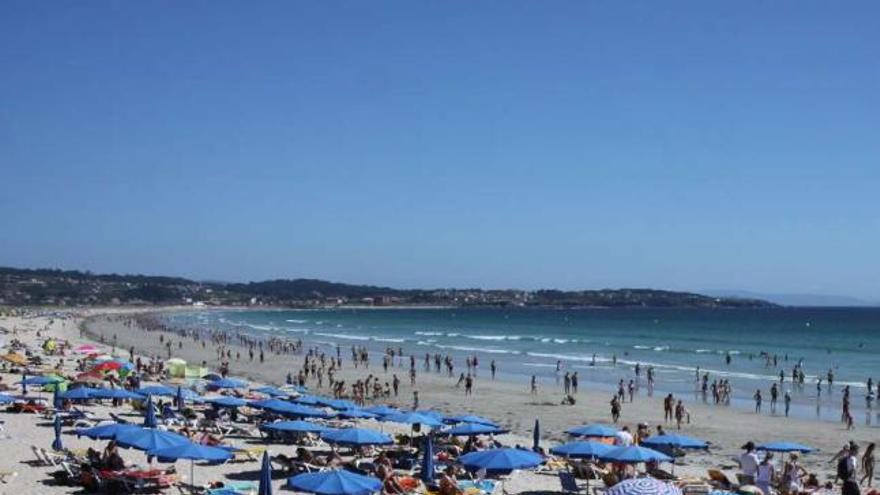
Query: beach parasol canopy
[
  {"x": 634, "y": 454},
  {"x": 298, "y": 426},
  {"x": 107, "y": 366},
  {"x": 469, "y": 418},
  {"x": 582, "y": 450},
  {"x": 356, "y": 414},
  {"x": 41, "y": 380},
  {"x": 356, "y": 437},
  {"x": 228, "y": 383},
  {"x": 382, "y": 410},
  {"x": 643, "y": 486},
  {"x": 148, "y": 439},
  {"x": 265, "y": 487},
  {"x": 85, "y": 349},
  {"x": 593, "y": 431},
  {"x": 308, "y": 400},
  {"x": 90, "y": 378},
  {"x": 500, "y": 461},
  {"x": 335, "y": 482},
  {"x": 677, "y": 441},
  {"x": 6, "y": 399},
  {"x": 337, "y": 404},
  {"x": 288, "y": 409},
  {"x": 193, "y": 452},
  {"x": 106, "y": 431},
  {"x": 114, "y": 393},
  {"x": 226, "y": 401},
  {"x": 413, "y": 417},
  {"x": 469, "y": 429},
  {"x": 149, "y": 413},
  {"x": 786, "y": 447},
  {"x": 271, "y": 391},
  {"x": 80, "y": 393},
  {"x": 15, "y": 358},
  {"x": 162, "y": 390}
]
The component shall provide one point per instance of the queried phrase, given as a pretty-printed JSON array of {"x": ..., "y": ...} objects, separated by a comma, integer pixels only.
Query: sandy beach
[{"x": 511, "y": 404}]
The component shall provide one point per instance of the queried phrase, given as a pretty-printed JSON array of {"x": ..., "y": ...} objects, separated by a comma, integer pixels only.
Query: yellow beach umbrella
[{"x": 15, "y": 358}]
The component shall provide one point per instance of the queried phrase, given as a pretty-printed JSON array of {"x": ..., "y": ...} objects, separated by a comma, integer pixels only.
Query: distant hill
[
  {"x": 804, "y": 300},
  {"x": 21, "y": 286}
]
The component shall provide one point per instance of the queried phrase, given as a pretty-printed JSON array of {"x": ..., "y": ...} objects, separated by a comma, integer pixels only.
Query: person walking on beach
[
  {"x": 868, "y": 465},
  {"x": 667, "y": 408},
  {"x": 774, "y": 395},
  {"x": 534, "y": 385},
  {"x": 615, "y": 409},
  {"x": 787, "y": 400},
  {"x": 566, "y": 383},
  {"x": 415, "y": 400},
  {"x": 492, "y": 368},
  {"x": 758, "y": 401},
  {"x": 574, "y": 382},
  {"x": 468, "y": 385},
  {"x": 395, "y": 383}
]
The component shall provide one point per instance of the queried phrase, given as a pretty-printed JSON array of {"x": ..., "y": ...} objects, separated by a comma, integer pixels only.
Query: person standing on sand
[
  {"x": 846, "y": 471},
  {"x": 748, "y": 463},
  {"x": 758, "y": 400},
  {"x": 395, "y": 383},
  {"x": 534, "y": 385},
  {"x": 615, "y": 409},
  {"x": 492, "y": 368},
  {"x": 415, "y": 400},
  {"x": 468, "y": 385},
  {"x": 667, "y": 408},
  {"x": 868, "y": 465},
  {"x": 574, "y": 382},
  {"x": 787, "y": 400}
]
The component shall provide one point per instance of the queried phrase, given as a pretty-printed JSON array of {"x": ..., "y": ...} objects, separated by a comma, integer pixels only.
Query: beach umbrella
[
  {"x": 56, "y": 444},
  {"x": 427, "y": 474},
  {"x": 500, "y": 461},
  {"x": 85, "y": 349},
  {"x": 288, "y": 409},
  {"x": 149, "y": 413},
  {"x": 643, "y": 486},
  {"x": 228, "y": 383},
  {"x": 298, "y": 426},
  {"x": 469, "y": 418},
  {"x": 107, "y": 431},
  {"x": 785, "y": 447},
  {"x": 271, "y": 391},
  {"x": 14, "y": 358},
  {"x": 6, "y": 399},
  {"x": 162, "y": 390},
  {"x": 335, "y": 482},
  {"x": 382, "y": 410},
  {"x": 593, "y": 431},
  {"x": 79, "y": 393},
  {"x": 42, "y": 380},
  {"x": 676, "y": 441},
  {"x": 90, "y": 378},
  {"x": 192, "y": 451},
  {"x": 356, "y": 414},
  {"x": 356, "y": 437},
  {"x": 148, "y": 439},
  {"x": 114, "y": 393},
  {"x": 469, "y": 429},
  {"x": 265, "y": 487},
  {"x": 337, "y": 404},
  {"x": 226, "y": 401},
  {"x": 634, "y": 454},
  {"x": 308, "y": 400},
  {"x": 107, "y": 366},
  {"x": 582, "y": 450},
  {"x": 413, "y": 417},
  {"x": 536, "y": 436}
]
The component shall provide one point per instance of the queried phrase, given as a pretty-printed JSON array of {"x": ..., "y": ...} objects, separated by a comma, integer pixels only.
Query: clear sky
[{"x": 682, "y": 145}]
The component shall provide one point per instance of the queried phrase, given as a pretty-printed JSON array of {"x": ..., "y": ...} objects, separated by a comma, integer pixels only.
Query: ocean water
[{"x": 674, "y": 341}]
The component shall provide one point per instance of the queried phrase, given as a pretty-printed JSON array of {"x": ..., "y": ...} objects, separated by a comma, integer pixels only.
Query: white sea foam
[
  {"x": 489, "y": 350},
  {"x": 429, "y": 333},
  {"x": 297, "y": 321},
  {"x": 342, "y": 336},
  {"x": 388, "y": 339}
]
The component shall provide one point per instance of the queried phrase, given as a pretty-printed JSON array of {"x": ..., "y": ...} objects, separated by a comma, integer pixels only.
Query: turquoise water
[{"x": 674, "y": 341}]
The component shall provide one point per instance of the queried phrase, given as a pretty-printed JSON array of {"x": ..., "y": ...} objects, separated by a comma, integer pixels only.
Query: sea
[{"x": 605, "y": 345}]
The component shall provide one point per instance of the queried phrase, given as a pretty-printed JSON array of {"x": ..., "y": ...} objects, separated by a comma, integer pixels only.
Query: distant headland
[{"x": 33, "y": 287}]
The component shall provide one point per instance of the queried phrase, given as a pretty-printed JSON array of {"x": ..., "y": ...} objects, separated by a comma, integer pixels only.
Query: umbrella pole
[{"x": 192, "y": 475}]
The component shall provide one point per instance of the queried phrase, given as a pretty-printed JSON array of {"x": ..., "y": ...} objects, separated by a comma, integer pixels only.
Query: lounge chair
[{"x": 569, "y": 484}]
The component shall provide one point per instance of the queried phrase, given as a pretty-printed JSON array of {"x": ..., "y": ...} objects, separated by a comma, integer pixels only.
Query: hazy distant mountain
[{"x": 795, "y": 299}]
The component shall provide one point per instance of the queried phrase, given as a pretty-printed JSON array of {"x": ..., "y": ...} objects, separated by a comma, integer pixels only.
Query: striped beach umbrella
[{"x": 643, "y": 486}]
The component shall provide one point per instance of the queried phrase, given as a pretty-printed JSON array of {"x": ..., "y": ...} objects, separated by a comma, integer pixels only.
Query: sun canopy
[
  {"x": 582, "y": 450},
  {"x": 500, "y": 461},
  {"x": 356, "y": 437},
  {"x": 336, "y": 482}
]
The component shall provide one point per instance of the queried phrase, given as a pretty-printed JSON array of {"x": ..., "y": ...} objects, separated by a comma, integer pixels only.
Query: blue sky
[{"x": 682, "y": 145}]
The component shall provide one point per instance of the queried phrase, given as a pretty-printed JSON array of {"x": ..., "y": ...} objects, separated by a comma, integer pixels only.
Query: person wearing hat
[{"x": 748, "y": 462}]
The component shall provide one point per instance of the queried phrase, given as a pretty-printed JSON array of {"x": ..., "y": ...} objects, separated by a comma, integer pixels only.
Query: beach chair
[
  {"x": 118, "y": 419},
  {"x": 569, "y": 484},
  {"x": 42, "y": 459},
  {"x": 717, "y": 477},
  {"x": 6, "y": 476},
  {"x": 52, "y": 458}
]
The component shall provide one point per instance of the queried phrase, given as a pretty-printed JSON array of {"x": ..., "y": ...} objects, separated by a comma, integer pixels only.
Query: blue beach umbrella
[
  {"x": 382, "y": 410},
  {"x": 582, "y": 450},
  {"x": 114, "y": 393},
  {"x": 271, "y": 391},
  {"x": 643, "y": 486},
  {"x": 786, "y": 447},
  {"x": 56, "y": 444},
  {"x": 469, "y": 429},
  {"x": 427, "y": 474},
  {"x": 337, "y": 404},
  {"x": 298, "y": 426},
  {"x": 288, "y": 409},
  {"x": 593, "y": 431},
  {"x": 41, "y": 380},
  {"x": 676, "y": 441},
  {"x": 336, "y": 482},
  {"x": 192, "y": 451},
  {"x": 148, "y": 439},
  {"x": 106, "y": 432},
  {"x": 228, "y": 383},
  {"x": 6, "y": 399},
  {"x": 265, "y": 487},
  {"x": 226, "y": 401},
  {"x": 308, "y": 400},
  {"x": 356, "y": 414},
  {"x": 413, "y": 417},
  {"x": 536, "y": 436},
  {"x": 634, "y": 454},
  {"x": 79, "y": 393},
  {"x": 500, "y": 461},
  {"x": 149, "y": 413},
  {"x": 469, "y": 418},
  {"x": 162, "y": 390},
  {"x": 355, "y": 437}
]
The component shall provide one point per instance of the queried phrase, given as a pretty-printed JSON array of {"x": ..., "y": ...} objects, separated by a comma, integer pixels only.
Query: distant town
[{"x": 53, "y": 287}]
